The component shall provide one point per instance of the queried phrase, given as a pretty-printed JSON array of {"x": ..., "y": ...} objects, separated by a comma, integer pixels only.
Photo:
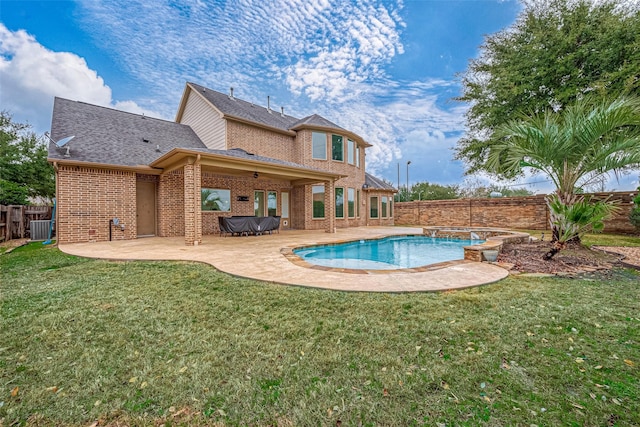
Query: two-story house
[{"x": 125, "y": 175}]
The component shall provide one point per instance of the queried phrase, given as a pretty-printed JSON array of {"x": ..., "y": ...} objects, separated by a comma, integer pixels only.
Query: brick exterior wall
[
  {"x": 510, "y": 212},
  {"x": 366, "y": 208},
  {"x": 355, "y": 179},
  {"x": 241, "y": 186},
  {"x": 171, "y": 204},
  {"x": 88, "y": 198},
  {"x": 301, "y": 207},
  {"x": 262, "y": 142},
  {"x": 192, "y": 222}
]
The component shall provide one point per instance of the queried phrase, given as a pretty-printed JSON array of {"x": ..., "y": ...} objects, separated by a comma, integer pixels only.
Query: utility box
[{"x": 40, "y": 229}]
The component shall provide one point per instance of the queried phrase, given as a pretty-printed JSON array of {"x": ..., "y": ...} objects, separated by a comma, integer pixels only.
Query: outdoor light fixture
[{"x": 255, "y": 175}]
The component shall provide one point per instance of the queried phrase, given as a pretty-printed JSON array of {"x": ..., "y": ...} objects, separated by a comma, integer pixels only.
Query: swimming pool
[{"x": 389, "y": 253}]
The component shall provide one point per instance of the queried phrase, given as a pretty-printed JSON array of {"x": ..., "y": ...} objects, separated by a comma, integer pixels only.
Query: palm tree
[{"x": 574, "y": 147}]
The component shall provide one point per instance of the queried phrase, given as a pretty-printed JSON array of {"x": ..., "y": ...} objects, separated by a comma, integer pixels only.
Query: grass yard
[
  {"x": 139, "y": 343},
  {"x": 598, "y": 239}
]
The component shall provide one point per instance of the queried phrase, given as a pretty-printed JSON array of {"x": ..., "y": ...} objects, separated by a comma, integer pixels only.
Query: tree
[
  {"x": 574, "y": 220},
  {"x": 429, "y": 191},
  {"x": 634, "y": 215},
  {"x": 23, "y": 163},
  {"x": 557, "y": 52},
  {"x": 573, "y": 148},
  {"x": 472, "y": 190},
  {"x": 12, "y": 193}
]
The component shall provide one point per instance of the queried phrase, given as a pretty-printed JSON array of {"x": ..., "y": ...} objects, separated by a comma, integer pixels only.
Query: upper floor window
[
  {"x": 358, "y": 156},
  {"x": 351, "y": 151},
  {"x": 337, "y": 148},
  {"x": 319, "y": 145}
]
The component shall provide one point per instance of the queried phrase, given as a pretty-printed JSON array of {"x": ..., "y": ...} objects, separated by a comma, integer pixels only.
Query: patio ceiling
[{"x": 229, "y": 165}]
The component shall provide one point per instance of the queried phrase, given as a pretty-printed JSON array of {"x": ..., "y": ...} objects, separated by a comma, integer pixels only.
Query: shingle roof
[
  {"x": 239, "y": 108},
  {"x": 108, "y": 136},
  {"x": 315, "y": 120},
  {"x": 105, "y": 135},
  {"x": 376, "y": 183}
]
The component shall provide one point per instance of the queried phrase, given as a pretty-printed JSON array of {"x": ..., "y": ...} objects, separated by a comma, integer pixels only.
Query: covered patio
[
  {"x": 197, "y": 166},
  {"x": 261, "y": 258}
]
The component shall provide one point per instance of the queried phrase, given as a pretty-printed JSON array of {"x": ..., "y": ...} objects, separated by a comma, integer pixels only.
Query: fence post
[{"x": 3, "y": 223}]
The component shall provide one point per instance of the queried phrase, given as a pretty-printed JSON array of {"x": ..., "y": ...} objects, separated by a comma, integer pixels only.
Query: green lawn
[{"x": 139, "y": 343}]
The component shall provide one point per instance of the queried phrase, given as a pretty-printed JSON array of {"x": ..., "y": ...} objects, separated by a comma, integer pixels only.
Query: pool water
[{"x": 389, "y": 253}]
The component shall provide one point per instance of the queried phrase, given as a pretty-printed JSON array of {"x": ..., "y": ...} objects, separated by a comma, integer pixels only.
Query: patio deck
[{"x": 259, "y": 257}]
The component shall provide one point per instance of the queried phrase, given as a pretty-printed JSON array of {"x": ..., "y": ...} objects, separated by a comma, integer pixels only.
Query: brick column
[
  {"x": 330, "y": 208},
  {"x": 192, "y": 214}
]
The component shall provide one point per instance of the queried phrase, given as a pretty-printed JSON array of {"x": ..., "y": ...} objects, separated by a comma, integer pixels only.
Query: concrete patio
[{"x": 260, "y": 258}]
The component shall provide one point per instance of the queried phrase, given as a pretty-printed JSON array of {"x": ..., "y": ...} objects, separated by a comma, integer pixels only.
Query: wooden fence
[{"x": 15, "y": 220}]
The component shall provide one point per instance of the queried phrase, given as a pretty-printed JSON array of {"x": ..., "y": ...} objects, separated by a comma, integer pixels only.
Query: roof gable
[
  {"x": 315, "y": 120},
  {"x": 238, "y": 108}
]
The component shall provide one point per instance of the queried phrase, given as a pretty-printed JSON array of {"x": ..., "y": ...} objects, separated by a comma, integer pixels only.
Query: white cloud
[
  {"x": 395, "y": 119},
  {"x": 363, "y": 39},
  {"x": 317, "y": 48},
  {"x": 32, "y": 75}
]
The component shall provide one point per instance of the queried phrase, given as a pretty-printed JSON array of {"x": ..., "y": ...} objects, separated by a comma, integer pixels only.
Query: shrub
[
  {"x": 12, "y": 193},
  {"x": 634, "y": 215}
]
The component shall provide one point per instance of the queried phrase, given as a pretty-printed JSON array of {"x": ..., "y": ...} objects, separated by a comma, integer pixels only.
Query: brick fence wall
[{"x": 511, "y": 212}]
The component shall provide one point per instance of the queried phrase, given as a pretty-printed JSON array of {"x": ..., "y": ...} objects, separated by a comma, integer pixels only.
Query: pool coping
[
  {"x": 288, "y": 253},
  {"x": 260, "y": 258}
]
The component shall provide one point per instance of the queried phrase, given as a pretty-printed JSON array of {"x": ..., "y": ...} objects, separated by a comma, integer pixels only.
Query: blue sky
[{"x": 384, "y": 69}]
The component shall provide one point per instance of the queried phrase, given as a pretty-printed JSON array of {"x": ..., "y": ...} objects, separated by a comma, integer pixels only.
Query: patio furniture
[{"x": 248, "y": 224}]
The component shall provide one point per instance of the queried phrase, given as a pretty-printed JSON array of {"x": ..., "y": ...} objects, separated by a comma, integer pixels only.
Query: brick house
[{"x": 221, "y": 157}]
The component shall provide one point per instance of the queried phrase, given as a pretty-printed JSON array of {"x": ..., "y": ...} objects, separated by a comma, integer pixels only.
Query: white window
[
  {"x": 318, "y": 201},
  {"x": 383, "y": 207},
  {"x": 215, "y": 199},
  {"x": 272, "y": 203},
  {"x": 351, "y": 202},
  {"x": 339, "y": 202},
  {"x": 319, "y": 145},
  {"x": 351, "y": 151},
  {"x": 285, "y": 205},
  {"x": 337, "y": 148},
  {"x": 373, "y": 207}
]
